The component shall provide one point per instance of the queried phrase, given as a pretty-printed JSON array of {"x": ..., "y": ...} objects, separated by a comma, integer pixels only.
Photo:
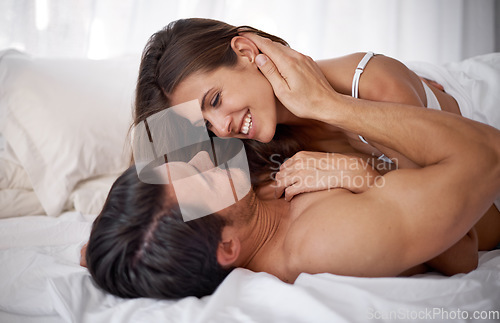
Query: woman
[{"x": 215, "y": 63}]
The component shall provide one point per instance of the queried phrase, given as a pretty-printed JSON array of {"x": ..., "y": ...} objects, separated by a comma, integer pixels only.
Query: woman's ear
[
  {"x": 244, "y": 47},
  {"x": 228, "y": 249}
]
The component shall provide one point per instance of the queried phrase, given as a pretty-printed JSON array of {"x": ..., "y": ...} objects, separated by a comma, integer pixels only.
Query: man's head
[{"x": 140, "y": 245}]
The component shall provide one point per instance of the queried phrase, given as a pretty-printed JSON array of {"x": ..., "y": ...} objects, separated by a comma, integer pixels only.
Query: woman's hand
[
  {"x": 315, "y": 171},
  {"x": 296, "y": 79}
]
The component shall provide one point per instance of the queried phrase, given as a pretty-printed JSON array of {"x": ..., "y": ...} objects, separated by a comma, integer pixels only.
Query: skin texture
[
  {"x": 244, "y": 89},
  {"x": 352, "y": 173},
  {"x": 410, "y": 222},
  {"x": 288, "y": 238},
  {"x": 264, "y": 216},
  {"x": 231, "y": 93}
]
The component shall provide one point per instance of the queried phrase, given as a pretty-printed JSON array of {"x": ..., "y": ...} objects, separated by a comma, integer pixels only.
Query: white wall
[{"x": 430, "y": 30}]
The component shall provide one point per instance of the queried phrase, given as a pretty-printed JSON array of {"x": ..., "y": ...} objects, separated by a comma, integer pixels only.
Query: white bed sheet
[{"x": 41, "y": 281}]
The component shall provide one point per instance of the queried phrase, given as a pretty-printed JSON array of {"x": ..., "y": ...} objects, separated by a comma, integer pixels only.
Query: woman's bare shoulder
[
  {"x": 339, "y": 71},
  {"x": 384, "y": 78}
]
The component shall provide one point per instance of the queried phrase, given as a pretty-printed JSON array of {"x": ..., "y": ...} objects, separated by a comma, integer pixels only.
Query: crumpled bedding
[{"x": 41, "y": 280}]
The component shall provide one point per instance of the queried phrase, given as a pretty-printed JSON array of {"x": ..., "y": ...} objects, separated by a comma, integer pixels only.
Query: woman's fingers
[
  {"x": 296, "y": 189},
  {"x": 291, "y": 191},
  {"x": 304, "y": 185},
  {"x": 281, "y": 183},
  {"x": 278, "y": 191},
  {"x": 297, "y": 160},
  {"x": 283, "y": 179},
  {"x": 287, "y": 184},
  {"x": 316, "y": 171},
  {"x": 293, "y": 181}
]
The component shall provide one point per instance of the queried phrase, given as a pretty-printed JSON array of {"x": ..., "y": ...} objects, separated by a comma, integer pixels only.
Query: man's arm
[
  {"x": 462, "y": 257},
  {"x": 412, "y": 215},
  {"x": 418, "y": 213},
  {"x": 384, "y": 79}
]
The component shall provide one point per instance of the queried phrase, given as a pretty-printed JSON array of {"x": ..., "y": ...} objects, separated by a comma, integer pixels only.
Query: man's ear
[
  {"x": 229, "y": 248},
  {"x": 244, "y": 47}
]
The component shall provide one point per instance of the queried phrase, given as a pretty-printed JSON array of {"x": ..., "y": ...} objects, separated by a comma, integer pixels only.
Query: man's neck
[{"x": 263, "y": 230}]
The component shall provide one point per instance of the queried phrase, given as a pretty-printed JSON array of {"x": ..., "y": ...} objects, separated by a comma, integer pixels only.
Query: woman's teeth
[{"x": 247, "y": 125}]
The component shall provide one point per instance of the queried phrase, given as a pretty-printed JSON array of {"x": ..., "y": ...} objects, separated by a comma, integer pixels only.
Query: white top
[{"x": 432, "y": 101}]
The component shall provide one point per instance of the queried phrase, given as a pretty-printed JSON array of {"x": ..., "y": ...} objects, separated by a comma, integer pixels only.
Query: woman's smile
[
  {"x": 248, "y": 128},
  {"x": 245, "y": 107},
  {"x": 247, "y": 124}
]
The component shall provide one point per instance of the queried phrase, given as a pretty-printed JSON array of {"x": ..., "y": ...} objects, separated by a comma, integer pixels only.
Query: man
[{"x": 141, "y": 246}]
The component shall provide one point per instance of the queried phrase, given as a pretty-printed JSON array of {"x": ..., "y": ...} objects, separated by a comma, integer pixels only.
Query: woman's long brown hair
[{"x": 187, "y": 46}]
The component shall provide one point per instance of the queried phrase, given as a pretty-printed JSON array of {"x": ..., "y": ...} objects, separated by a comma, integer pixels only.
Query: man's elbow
[
  {"x": 496, "y": 160},
  {"x": 491, "y": 155},
  {"x": 480, "y": 163},
  {"x": 461, "y": 258},
  {"x": 470, "y": 265},
  {"x": 464, "y": 266}
]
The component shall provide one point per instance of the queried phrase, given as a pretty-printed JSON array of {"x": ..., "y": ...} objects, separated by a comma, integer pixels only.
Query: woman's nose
[{"x": 223, "y": 126}]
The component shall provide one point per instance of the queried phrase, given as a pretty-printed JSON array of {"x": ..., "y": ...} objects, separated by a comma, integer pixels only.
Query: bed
[{"x": 63, "y": 130}]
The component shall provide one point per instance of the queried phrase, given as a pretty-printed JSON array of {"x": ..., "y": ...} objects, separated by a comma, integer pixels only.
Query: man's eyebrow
[{"x": 203, "y": 100}]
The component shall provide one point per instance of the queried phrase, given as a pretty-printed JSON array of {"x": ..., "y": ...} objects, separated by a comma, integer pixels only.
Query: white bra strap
[
  {"x": 355, "y": 94},
  {"x": 355, "y": 81},
  {"x": 358, "y": 72}
]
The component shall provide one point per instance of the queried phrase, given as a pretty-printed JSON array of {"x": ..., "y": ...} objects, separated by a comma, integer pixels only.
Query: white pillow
[
  {"x": 19, "y": 202},
  {"x": 12, "y": 174},
  {"x": 66, "y": 119},
  {"x": 17, "y": 197},
  {"x": 89, "y": 196}
]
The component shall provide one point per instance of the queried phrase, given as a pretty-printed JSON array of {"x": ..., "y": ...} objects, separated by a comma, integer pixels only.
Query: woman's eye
[{"x": 215, "y": 100}]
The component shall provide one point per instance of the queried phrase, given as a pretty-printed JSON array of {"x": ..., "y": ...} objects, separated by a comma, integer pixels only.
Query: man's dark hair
[{"x": 141, "y": 247}]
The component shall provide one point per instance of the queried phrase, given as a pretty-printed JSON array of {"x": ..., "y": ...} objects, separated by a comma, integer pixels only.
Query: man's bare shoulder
[
  {"x": 303, "y": 204},
  {"x": 337, "y": 231},
  {"x": 333, "y": 206}
]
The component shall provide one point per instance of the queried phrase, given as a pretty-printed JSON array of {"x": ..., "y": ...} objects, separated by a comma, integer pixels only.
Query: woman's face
[{"x": 236, "y": 102}]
